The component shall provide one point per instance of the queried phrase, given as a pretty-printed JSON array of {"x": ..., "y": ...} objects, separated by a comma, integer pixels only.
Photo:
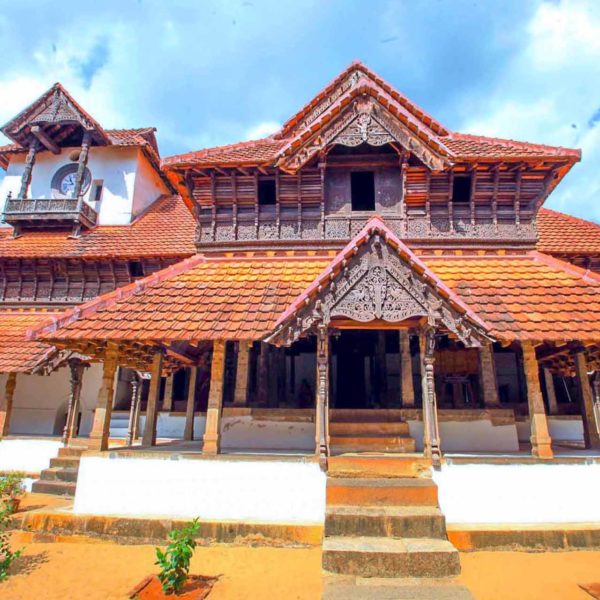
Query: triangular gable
[
  {"x": 378, "y": 278},
  {"x": 55, "y": 107},
  {"x": 364, "y": 113}
]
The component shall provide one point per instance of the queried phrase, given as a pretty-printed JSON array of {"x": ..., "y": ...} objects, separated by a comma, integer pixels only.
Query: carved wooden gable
[
  {"x": 376, "y": 282},
  {"x": 358, "y": 116}
]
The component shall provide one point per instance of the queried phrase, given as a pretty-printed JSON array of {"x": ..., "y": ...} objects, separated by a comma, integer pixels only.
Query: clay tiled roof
[
  {"x": 198, "y": 299},
  {"x": 17, "y": 354},
  {"x": 563, "y": 234},
  {"x": 166, "y": 229},
  {"x": 533, "y": 297}
]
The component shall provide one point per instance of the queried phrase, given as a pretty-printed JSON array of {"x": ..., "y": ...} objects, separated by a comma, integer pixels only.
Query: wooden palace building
[{"x": 365, "y": 293}]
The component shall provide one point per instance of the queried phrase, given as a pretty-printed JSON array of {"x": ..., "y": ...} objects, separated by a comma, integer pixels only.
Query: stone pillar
[
  {"x": 167, "y": 404},
  {"x": 407, "y": 385},
  {"x": 134, "y": 410},
  {"x": 101, "y": 425},
  {"x": 6, "y": 407},
  {"x": 550, "y": 392},
  {"x": 240, "y": 395},
  {"x": 212, "y": 432},
  {"x": 590, "y": 427},
  {"x": 541, "y": 443},
  {"x": 27, "y": 171},
  {"x": 149, "y": 437},
  {"x": 70, "y": 430},
  {"x": 487, "y": 374},
  {"x": 322, "y": 399},
  {"x": 188, "y": 432},
  {"x": 431, "y": 433}
]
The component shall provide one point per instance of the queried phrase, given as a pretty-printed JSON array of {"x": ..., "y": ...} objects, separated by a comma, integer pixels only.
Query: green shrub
[
  {"x": 175, "y": 560},
  {"x": 7, "y": 556}
]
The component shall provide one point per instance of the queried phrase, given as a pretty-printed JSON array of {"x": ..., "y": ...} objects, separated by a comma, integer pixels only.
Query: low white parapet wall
[
  {"x": 28, "y": 455},
  {"x": 220, "y": 489},
  {"x": 519, "y": 493}
]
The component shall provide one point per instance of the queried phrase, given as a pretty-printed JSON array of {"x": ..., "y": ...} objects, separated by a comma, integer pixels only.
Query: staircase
[
  {"x": 383, "y": 520},
  {"x": 377, "y": 430},
  {"x": 119, "y": 424},
  {"x": 60, "y": 478}
]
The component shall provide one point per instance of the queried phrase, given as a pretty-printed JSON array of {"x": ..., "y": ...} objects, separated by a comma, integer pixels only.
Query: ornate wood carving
[
  {"x": 322, "y": 399},
  {"x": 431, "y": 435},
  {"x": 134, "y": 410},
  {"x": 376, "y": 284}
]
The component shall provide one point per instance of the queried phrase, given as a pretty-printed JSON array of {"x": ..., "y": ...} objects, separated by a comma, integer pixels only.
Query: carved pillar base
[
  {"x": 101, "y": 426},
  {"x": 406, "y": 385},
  {"x": 590, "y": 427},
  {"x": 212, "y": 432},
  {"x": 541, "y": 442},
  {"x": 149, "y": 437},
  {"x": 7, "y": 405}
]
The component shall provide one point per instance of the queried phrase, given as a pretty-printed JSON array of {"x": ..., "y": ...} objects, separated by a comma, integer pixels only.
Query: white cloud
[
  {"x": 262, "y": 130},
  {"x": 549, "y": 94}
]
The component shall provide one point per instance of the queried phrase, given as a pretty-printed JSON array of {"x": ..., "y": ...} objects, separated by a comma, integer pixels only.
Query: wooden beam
[{"x": 45, "y": 140}]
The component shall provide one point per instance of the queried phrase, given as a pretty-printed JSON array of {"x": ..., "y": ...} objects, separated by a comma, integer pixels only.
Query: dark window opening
[
  {"x": 363, "y": 190},
  {"x": 97, "y": 192},
  {"x": 266, "y": 192},
  {"x": 136, "y": 268},
  {"x": 461, "y": 189}
]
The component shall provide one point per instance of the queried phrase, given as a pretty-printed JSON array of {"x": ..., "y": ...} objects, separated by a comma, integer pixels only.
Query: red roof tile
[
  {"x": 165, "y": 229},
  {"x": 563, "y": 234},
  {"x": 16, "y": 353}
]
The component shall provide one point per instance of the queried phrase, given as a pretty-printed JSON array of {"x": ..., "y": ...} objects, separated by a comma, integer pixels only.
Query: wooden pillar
[
  {"x": 27, "y": 171},
  {"x": 167, "y": 404},
  {"x": 262, "y": 384},
  {"x": 240, "y": 395},
  {"x": 101, "y": 426},
  {"x": 407, "y": 385},
  {"x": 550, "y": 392},
  {"x": 590, "y": 427},
  {"x": 596, "y": 387},
  {"x": 541, "y": 443},
  {"x": 81, "y": 164},
  {"x": 6, "y": 408},
  {"x": 212, "y": 432},
  {"x": 380, "y": 370},
  {"x": 188, "y": 432},
  {"x": 431, "y": 433},
  {"x": 134, "y": 410},
  {"x": 70, "y": 430},
  {"x": 149, "y": 437},
  {"x": 322, "y": 399},
  {"x": 487, "y": 373}
]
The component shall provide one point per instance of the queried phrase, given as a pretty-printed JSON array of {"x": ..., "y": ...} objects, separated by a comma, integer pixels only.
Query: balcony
[{"x": 48, "y": 212}]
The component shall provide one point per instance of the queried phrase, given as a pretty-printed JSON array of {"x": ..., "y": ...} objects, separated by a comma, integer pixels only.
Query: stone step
[
  {"x": 369, "y": 428},
  {"x": 58, "y": 488},
  {"x": 363, "y": 415},
  {"x": 68, "y": 462},
  {"x": 381, "y": 492},
  {"x": 361, "y": 466},
  {"x": 387, "y": 557},
  {"x": 385, "y": 521},
  {"x": 372, "y": 443},
  {"x": 59, "y": 474},
  {"x": 71, "y": 451}
]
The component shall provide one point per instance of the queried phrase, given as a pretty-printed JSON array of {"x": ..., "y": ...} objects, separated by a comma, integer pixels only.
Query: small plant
[
  {"x": 175, "y": 560},
  {"x": 7, "y": 556},
  {"x": 11, "y": 491}
]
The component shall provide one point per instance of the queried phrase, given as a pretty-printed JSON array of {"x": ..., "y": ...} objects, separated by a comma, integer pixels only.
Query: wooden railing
[{"x": 39, "y": 210}]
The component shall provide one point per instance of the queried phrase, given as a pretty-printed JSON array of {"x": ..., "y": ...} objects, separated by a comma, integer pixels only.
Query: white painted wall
[
  {"x": 40, "y": 401},
  {"x": 470, "y": 436},
  {"x": 129, "y": 182},
  {"x": 269, "y": 491},
  {"x": 537, "y": 493},
  {"x": 560, "y": 428},
  {"x": 30, "y": 456}
]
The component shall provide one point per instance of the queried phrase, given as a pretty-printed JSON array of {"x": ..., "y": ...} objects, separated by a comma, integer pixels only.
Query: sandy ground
[{"x": 108, "y": 571}]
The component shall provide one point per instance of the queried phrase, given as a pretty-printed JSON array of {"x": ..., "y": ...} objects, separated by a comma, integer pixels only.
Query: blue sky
[{"x": 213, "y": 72}]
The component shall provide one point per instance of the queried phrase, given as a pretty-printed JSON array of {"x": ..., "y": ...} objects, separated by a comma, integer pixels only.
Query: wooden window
[
  {"x": 266, "y": 192},
  {"x": 461, "y": 189},
  {"x": 136, "y": 268},
  {"x": 362, "y": 184}
]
